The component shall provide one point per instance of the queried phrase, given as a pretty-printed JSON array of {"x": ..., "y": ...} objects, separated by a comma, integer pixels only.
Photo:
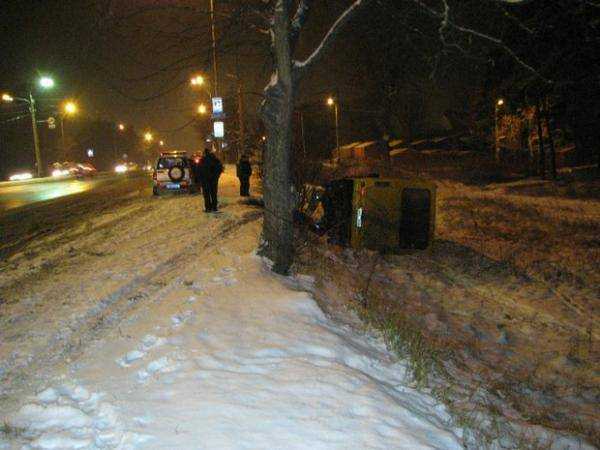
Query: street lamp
[
  {"x": 197, "y": 80},
  {"x": 499, "y": 104},
  {"x": 331, "y": 102},
  {"x": 202, "y": 109},
  {"x": 120, "y": 128},
  {"x": 161, "y": 143},
  {"x": 148, "y": 137},
  {"x": 44, "y": 82},
  {"x": 69, "y": 108}
]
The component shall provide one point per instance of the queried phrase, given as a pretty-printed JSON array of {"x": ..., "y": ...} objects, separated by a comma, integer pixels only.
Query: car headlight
[
  {"x": 21, "y": 176},
  {"x": 121, "y": 168},
  {"x": 60, "y": 173}
]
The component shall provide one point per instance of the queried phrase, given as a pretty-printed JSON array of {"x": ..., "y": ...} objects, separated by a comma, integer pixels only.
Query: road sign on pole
[
  {"x": 219, "y": 129},
  {"x": 217, "y": 104},
  {"x": 51, "y": 123}
]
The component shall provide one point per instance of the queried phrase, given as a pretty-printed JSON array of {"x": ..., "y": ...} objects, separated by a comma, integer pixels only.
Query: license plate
[{"x": 173, "y": 186}]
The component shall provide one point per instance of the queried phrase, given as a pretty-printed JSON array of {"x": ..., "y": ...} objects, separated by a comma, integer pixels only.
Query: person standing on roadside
[
  {"x": 196, "y": 166},
  {"x": 210, "y": 171},
  {"x": 244, "y": 172}
]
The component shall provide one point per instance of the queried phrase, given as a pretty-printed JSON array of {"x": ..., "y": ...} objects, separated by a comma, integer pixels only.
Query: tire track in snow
[{"x": 111, "y": 309}]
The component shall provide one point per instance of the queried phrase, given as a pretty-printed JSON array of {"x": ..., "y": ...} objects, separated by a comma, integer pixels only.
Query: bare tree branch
[
  {"x": 444, "y": 16},
  {"x": 330, "y": 37},
  {"x": 298, "y": 21}
]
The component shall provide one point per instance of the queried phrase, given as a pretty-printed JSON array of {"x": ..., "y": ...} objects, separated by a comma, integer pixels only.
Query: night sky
[
  {"x": 107, "y": 66},
  {"x": 126, "y": 66},
  {"x": 134, "y": 68}
]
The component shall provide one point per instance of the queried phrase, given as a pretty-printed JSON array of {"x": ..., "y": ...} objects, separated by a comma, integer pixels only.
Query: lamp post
[
  {"x": 45, "y": 82},
  {"x": 214, "y": 48},
  {"x": 120, "y": 128},
  {"x": 498, "y": 105},
  {"x": 69, "y": 109},
  {"x": 199, "y": 81},
  {"x": 332, "y": 103},
  {"x": 36, "y": 139}
]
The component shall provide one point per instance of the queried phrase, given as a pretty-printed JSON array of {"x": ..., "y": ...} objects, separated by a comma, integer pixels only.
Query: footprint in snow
[
  {"x": 181, "y": 318},
  {"x": 130, "y": 358},
  {"x": 150, "y": 341},
  {"x": 225, "y": 281},
  {"x": 71, "y": 417},
  {"x": 158, "y": 366}
]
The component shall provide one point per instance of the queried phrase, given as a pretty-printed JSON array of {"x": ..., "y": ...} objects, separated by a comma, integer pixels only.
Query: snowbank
[{"x": 225, "y": 355}]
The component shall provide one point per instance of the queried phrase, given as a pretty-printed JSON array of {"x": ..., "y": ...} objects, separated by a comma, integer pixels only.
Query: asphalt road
[
  {"x": 31, "y": 210},
  {"x": 19, "y": 194}
]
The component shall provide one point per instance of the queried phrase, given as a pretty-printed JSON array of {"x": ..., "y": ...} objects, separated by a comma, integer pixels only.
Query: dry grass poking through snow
[{"x": 507, "y": 299}]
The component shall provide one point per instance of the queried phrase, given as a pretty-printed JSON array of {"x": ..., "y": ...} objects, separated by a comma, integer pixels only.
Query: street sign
[
  {"x": 217, "y": 104},
  {"x": 219, "y": 129},
  {"x": 51, "y": 123}
]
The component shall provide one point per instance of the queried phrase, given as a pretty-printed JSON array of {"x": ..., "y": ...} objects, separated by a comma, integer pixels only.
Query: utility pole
[
  {"x": 498, "y": 104},
  {"x": 334, "y": 103},
  {"x": 62, "y": 137},
  {"x": 45, "y": 82},
  {"x": 240, "y": 95},
  {"x": 36, "y": 139},
  {"x": 215, "y": 82},
  {"x": 242, "y": 143},
  {"x": 214, "y": 48}
]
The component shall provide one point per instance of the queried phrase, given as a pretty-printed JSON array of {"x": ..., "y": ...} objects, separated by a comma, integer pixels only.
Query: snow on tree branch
[
  {"x": 446, "y": 22},
  {"x": 329, "y": 39},
  {"x": 299, "y": 20}
]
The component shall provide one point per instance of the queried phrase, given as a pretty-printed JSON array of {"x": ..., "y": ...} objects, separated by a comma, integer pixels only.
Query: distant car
[
  {"x": 173, "y": 173},
  {"x": 125, "y": 167},
  {"x": 86, "y": 170},
  {"x": 21, "y": 176},
  {"x": 70, "y": 168}
]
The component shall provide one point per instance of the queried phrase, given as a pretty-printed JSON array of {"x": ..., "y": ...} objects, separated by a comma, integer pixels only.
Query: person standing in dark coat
[
  {"x": 210, "y": 171},
  {"x": 196, "y": 165},
  {"x": 244, "y": 172}
]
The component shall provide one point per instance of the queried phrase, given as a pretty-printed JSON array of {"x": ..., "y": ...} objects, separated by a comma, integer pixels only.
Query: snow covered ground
[{"x": 161, "y": 328}]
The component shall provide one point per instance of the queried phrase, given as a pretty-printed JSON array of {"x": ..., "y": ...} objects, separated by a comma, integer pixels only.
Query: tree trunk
[
  {"x": 277, "y": 114},
  {"x": 540, "y": 131}
]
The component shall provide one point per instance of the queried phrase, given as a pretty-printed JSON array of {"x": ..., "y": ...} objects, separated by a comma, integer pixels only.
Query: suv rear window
[{"x": 168, "y": 162}]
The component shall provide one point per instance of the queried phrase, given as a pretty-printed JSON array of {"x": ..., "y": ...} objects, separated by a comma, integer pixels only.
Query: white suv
[{"x": 173, "y": 173}]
